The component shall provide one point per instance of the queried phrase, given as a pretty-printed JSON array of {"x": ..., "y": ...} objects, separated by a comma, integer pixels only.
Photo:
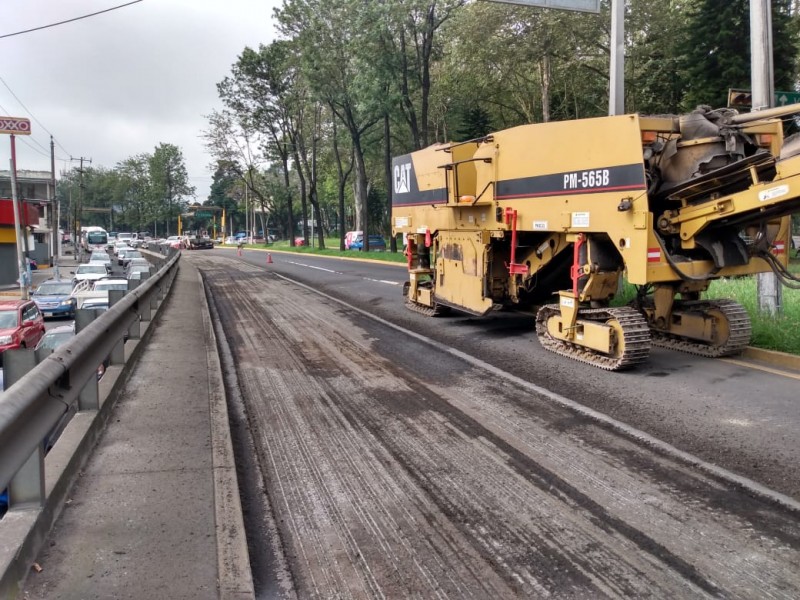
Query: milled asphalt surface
[
  {"x": 145, "y": 519},
  {"x": 154, "y": 512}
]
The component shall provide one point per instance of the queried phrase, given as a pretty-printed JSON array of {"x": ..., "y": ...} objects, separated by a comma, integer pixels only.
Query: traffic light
[{"x": 740, "y": 99}]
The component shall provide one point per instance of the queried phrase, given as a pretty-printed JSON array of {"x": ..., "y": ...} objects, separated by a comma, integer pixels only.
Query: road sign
[
  {"x": 786, "y": 98},
  {"x": 15, "y": 125},
  {"x": 579, "y": 5},
  {"x": 202, "y": 214},
  {"x": 744, "y": 98}
]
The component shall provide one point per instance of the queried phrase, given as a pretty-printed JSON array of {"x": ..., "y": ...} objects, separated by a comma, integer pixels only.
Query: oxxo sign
[{"x": 15, "y": 125}]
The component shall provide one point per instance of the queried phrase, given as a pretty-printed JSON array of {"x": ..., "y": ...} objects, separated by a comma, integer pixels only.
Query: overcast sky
[{"x": 117, "y": 84}]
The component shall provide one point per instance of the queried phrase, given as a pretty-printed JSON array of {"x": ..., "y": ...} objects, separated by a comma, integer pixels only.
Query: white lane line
[
  {"x": 291, "y": 262},
  {"x": 638, "y": 435}
]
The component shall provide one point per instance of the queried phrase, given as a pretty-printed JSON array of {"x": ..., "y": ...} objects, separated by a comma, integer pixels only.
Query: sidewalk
[
  {"x": 155, "y": 512},
  {"x": 65, "y": 265}
]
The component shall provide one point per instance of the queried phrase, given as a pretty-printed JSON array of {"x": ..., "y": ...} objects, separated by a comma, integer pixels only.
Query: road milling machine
[{"x": 558, "y": 212}]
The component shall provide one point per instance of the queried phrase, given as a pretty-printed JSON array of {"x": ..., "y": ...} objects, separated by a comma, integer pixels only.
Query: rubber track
[
  {"x": 738, "y": 323},
  {"x": 636, "y": 335},
  {"x": 428, "y": 311}
]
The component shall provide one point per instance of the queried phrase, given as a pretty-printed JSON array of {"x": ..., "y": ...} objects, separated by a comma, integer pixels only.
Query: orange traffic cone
[{"x": 269, "y": 258}]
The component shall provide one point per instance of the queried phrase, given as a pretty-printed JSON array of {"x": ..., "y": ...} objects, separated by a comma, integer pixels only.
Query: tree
[
  {"x": 717, "y": 49},
  {"x": 170, "y": 181},
  {"x": 337, "y": 43}
]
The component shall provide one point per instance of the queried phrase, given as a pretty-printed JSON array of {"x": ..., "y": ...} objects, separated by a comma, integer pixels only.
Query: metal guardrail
[{"x": 46, "y": 386}]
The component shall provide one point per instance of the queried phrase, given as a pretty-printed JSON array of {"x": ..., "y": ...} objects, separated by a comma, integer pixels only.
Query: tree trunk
[
  {"x": 303, "y": 199},
  {"x": 387, "y": 166},
  {"x": 360, "y": 188},
  {"x": 290, "y": 224},
  {"x": 544, "y": 68}
]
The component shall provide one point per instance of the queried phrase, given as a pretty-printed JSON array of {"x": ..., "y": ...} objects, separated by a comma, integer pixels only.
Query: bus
[{"x": 94, "y": 238}]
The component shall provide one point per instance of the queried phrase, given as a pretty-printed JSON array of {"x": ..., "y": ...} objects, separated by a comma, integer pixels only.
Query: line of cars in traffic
[{"x": 22, "y": 322}]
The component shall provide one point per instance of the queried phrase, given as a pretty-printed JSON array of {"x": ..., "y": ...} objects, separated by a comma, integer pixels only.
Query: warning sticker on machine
[
  {"x": 773, "y": 193},
  {"x": 540, "y": 226},
  {"x": 580, "y": 219},
  {"x": 567, "y": 301},
  {"x": 402, "y": 221}
]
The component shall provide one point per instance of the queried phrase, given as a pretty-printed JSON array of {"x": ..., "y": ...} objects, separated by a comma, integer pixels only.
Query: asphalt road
[
  {"x": 385, "y": 466},
  {"x": 725, "y": 411}
]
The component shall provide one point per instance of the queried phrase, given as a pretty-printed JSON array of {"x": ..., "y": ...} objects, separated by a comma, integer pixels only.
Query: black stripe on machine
[{"x": 591, "y": 181}]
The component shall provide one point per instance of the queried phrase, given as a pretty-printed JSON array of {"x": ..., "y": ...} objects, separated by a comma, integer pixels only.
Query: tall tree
[
  {"x": 170, "y": 181},
  {"x": 338, "y": 41},
  {"x": 717, "y": 49}
]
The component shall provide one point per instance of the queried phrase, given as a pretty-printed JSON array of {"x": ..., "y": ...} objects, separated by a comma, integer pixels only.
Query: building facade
[{"x": 38, "y": 222}]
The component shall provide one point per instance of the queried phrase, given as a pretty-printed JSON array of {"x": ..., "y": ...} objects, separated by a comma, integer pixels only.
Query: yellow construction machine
[{"x": 565, "y": 209}]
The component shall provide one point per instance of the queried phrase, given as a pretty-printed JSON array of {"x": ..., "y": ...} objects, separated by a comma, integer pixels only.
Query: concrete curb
[
  {"x": 772, "y": 358},
  {"x": 234, "y": 575}
]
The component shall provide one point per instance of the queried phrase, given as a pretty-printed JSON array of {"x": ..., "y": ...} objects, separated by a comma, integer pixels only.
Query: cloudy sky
[{"x": 117, "y": 84}]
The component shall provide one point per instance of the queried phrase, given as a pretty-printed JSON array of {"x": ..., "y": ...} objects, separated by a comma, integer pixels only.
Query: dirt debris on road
[{"x": 392, "y": 470}]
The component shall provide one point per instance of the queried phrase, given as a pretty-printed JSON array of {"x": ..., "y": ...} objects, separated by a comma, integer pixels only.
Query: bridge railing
[{"x": 47, "y": 391}]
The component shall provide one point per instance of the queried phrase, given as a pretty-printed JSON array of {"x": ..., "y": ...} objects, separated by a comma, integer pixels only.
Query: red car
[{"x": 21, "y": 324}]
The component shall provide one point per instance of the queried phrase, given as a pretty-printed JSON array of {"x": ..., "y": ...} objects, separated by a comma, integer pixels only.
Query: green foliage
[
  {"x": 475, "y": 123},
  {"x": 716, "y": 49}
]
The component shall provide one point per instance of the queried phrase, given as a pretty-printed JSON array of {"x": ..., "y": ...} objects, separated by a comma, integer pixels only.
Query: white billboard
[{"x": 580, "y": 5}]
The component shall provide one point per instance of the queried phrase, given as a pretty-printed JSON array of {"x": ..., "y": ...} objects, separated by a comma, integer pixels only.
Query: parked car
[
  {"x": 54, "y": 298},
  {"x": 21, "y": 324},
  {"x": 231, "y": 240},
  {"x": 376, "y": 243},
  {"x": 350, "y": 237}
]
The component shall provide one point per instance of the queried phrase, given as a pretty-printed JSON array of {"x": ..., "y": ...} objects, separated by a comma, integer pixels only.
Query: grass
[
  {"x": 780, "y": 332},
  {"x": 331, "y": 249}
]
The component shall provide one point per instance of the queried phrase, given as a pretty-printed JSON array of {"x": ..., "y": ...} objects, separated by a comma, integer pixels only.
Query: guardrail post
[
  {"x": 88, "y": 398},
  {"x": 155, "y": 296},
  {"x": 117, "y": 355},
  {"x": 83, "y": 317},
  {"x": 16, "y": 364},
  {"x": 26, "y": 489}
]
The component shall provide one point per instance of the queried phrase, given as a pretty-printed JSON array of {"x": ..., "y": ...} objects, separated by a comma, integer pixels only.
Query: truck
[{"x": 553, "y": 215}]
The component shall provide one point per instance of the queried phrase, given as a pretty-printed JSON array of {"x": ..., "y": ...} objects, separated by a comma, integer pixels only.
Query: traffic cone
[{"x": 269, "y": 258}]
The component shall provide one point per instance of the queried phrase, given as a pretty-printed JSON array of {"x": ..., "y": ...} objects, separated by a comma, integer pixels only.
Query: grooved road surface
[{"x": 392, "y": 469}]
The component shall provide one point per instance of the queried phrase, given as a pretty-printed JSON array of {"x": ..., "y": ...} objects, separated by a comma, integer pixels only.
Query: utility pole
[
  {"x": 21, "y": 262},
  {"x": 616, "y": 90},
  {"x": 763, "y": 88},
  {"x": 54, "y": 216},
  {"x": 79, "y": 208}
]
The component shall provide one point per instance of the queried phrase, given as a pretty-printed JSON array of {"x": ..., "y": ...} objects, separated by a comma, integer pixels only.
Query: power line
[
  {"x": 33, "y": 139},
  {"x": 32, "y": 115},
  {"x": 100, "y": 12}
]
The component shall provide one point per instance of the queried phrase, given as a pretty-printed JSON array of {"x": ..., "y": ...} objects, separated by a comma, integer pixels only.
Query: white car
[
  {"x": 100, "y": 257},
  {"x": 89, "y": 272}
]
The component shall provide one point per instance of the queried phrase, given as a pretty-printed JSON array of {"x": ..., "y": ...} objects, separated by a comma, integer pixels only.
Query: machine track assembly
[
  {"x": 738, "y": 325},
  {"x": 429, "y": 311},
  {"x": 634, "y": 347}
]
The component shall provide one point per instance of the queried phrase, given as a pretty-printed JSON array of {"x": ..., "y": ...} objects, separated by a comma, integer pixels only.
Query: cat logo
[{"x": 402, "y": 178}]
